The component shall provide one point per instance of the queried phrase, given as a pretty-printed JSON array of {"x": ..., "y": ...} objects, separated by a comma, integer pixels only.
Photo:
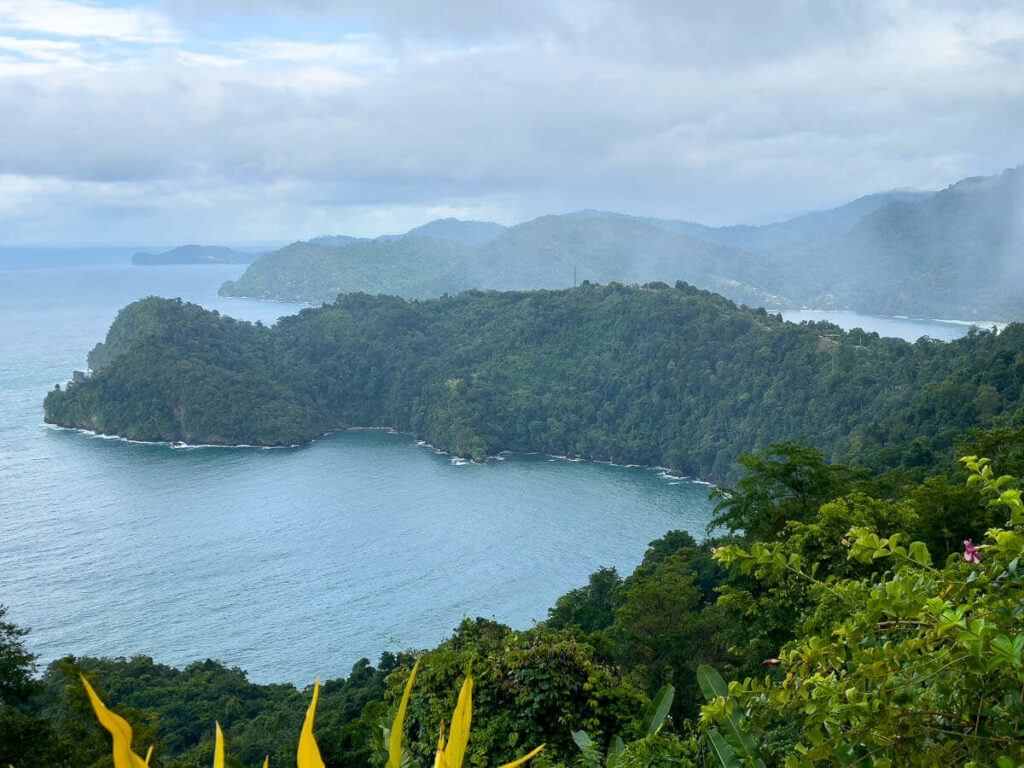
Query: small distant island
[{"x": 195, "y": 254}]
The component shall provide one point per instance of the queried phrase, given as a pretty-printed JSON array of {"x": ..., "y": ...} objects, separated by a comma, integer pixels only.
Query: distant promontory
[{"x": 195, "y": 254}]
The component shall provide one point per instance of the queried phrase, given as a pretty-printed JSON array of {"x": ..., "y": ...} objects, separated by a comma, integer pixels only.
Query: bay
[
  {"x": 907, "y": 328},
  {"x": 289, "y": 563}
]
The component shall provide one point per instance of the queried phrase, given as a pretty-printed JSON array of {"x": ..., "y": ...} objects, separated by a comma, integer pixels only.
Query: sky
[{"x": 250, "y": 121}]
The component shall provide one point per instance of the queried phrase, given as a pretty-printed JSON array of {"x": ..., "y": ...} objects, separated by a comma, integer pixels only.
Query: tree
[
  {"x": 590, "y": 607},
  {"x": 25, "y": 738},
  {"x": 785, "y": 481},
  {"x": 919, "y": 666},
  {"x": 17, "y": 665}
]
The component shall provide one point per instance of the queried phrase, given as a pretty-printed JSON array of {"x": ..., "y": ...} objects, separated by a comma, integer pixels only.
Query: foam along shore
[
  {"x": 456, "y": 461},
  {"x": 985, "y": 325},
  {"x": 175, "y": 444}
]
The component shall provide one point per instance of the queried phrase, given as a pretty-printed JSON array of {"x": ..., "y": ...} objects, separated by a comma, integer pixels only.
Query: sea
[{"x": 289, "y": 563}]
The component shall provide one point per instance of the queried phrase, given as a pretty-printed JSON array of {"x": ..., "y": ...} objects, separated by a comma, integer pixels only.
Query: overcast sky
[{"x": 229, "y": 121}]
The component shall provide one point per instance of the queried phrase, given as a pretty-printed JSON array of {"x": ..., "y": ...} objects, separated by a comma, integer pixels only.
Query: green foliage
[
  {"x": 16, "y": 663},
  {"x": 590, "y": 607},
  {"x": 663, "y": 630},
  {"x": 531, "y": 688},
  {"x": 784, "y": 482},
  {"x": 25, "y": 737},
  {"x": 737, "y": 747},
  {"x": 176, "y": 710},
  {"x": 650, "y": 749},
  {"x": 913, "y": 664}
]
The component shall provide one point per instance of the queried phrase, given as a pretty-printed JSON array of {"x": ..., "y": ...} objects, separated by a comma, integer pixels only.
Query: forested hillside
[
  {"x": 925, "y": 258},
  {"x": 654, "y": 375},
  {"x": 549, "y": 252},
  {"x": 767, "y": 238},
  {"x": 896, "y": 253}
]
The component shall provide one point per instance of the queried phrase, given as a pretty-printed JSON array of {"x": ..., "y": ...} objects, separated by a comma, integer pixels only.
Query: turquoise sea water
[{"x": 289, "y": 563}]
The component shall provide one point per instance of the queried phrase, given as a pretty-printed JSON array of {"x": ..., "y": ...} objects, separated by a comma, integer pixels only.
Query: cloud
[
  {"x": 70, "y": 19},
  {"x": 278, "y": 122}
]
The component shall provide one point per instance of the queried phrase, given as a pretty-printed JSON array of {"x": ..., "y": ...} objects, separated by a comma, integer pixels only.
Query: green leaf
[
  {"x": 711, "y": 683},
  {"x": 591, "y": 757},
  {"x": 582, "y": 739},
  {"x": 713, "y": 686},
  {"x": 617, "y": 747},
  {"x": 659, "y": 709},
  {"x": 919, "y": 553},
  {"x": 721, "y": 750}
]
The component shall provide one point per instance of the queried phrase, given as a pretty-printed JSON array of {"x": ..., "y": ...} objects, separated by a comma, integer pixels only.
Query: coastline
[{"x": 663, "y": 472}]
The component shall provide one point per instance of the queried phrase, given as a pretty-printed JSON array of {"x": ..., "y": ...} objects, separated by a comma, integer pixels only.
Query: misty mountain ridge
[
  {"x": 761, "y": 237},
  {"x": 547, "y": 252},
  {"x": 958, "y": 253},
  {"x": 894, "y": 253},
  {"x": 456, "y": 230}
]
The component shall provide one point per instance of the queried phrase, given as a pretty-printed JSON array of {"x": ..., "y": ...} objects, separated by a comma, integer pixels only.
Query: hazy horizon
[{"x": 257, "y": 245}]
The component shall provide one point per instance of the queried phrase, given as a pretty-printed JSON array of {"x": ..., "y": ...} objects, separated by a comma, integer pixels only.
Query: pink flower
[{"x": 971, "y": 552}]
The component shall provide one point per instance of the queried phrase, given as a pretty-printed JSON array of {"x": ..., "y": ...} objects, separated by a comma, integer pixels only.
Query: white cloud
[
  {"x": 193, "y": 58},
  {"x": 70, "y": 19},
  {"x": 356, "y": 50}
]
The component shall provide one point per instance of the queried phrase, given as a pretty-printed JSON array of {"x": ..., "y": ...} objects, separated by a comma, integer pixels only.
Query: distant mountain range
[
  {"x": 465, "y": 232},
  {"x": 957, "y": 253},
  {"x": 548, "y": 252},
  {"x": 195, "y": 254}
]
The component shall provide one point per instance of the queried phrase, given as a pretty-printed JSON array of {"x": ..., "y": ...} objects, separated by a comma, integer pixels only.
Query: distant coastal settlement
[{"x": 654, "y": 375}]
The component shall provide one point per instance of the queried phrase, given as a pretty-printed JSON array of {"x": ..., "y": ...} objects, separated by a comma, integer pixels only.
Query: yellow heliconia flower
[
  {"x": 523, "y": 759},
  {"x": 452, "y": 754},
  {"x": 119, "y": 730},
  {"x": 309, "y": 752},
  {"x": 218, "y": 749}
]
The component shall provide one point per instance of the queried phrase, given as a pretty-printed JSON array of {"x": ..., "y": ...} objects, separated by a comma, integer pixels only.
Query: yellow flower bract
[
  {"x": 119, "y": 730},
  {"x": 450, "y": 753}
]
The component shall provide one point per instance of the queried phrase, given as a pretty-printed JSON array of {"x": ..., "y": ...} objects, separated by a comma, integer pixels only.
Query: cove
[{"x": 293, "y": 563}]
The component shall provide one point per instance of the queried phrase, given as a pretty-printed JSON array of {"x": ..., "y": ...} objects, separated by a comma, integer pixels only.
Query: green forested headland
[
  {"x": 195, "y": 254},
  {"x": 656, "y": 375}
]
